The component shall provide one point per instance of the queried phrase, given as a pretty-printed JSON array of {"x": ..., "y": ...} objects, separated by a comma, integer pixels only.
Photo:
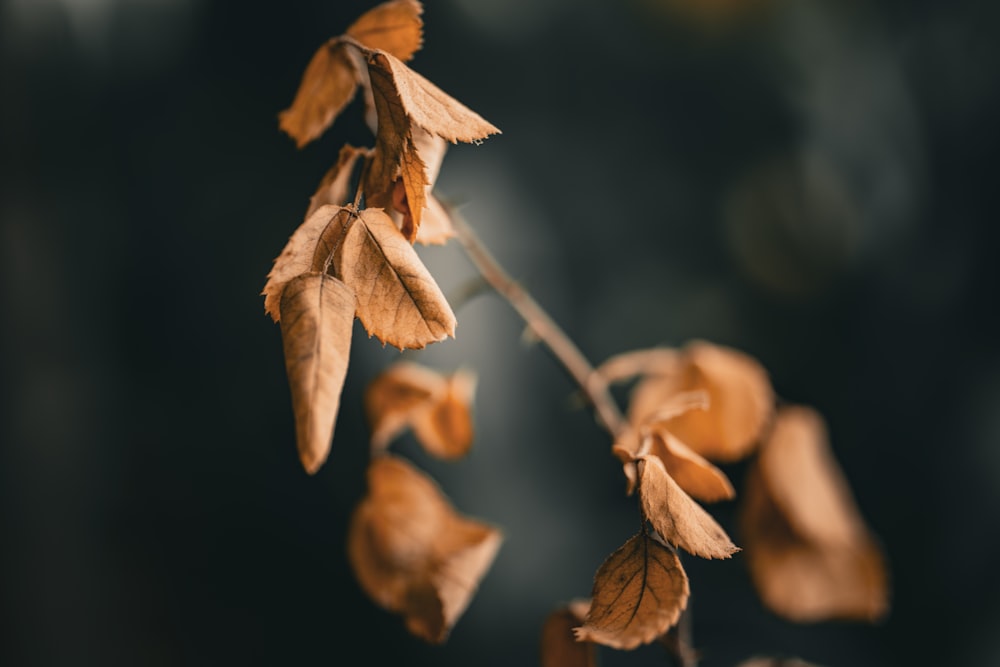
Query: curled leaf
[
  {"x": 627, "y": 365},
  {"x": 437, "y": 407},
  {"x": 394, "y": 26},
  {"x": 639, "y": 593},
  {"x": 412, "y": 553},
  {"x": 810, "y": 554},
  {"x": 327, "y": 86},
  {"x": 408, "y": 106},
  {"x": 559, "y": 647},
  {"x": 317, "y": 318},
  {"x": 398, "y": 300},
  {"x": 676, "y": 516},
  {"x": 308, "y": 250},
  {"x": 693, "y": 473},
  {"x": 445, "y": 427},
  {"x": 741, "y": 400}
]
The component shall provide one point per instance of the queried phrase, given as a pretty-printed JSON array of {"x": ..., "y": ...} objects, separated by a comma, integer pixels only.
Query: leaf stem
[{"x": 593, "y": 385}]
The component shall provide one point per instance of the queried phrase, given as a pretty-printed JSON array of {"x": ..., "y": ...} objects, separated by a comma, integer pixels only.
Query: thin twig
[{"x": 562, "y": 347}]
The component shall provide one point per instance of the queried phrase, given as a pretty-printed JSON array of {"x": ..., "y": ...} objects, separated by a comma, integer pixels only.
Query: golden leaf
[
  {"x": 398, "y": 300},
  {"x": 445, "y": 427},
  {"x": 693, "y": 473},
  {"x": 639, "y": 593},
  {"x": 308, "y": 250},
  {"x": 676, "y": 516},
  {"x": 741, "y": 400},
  {"x": 412, "y": 553},
  {"x": 317, "y": 318},
  {"x": 438, "y": 408},
  {"x": 559, "y": 647},
  {"x": 809, "y": 552},
  {"x": 327, "y": 86},
  {"x": 393, "y": 396},
  {"x": 405, "y": 103},
  {"x": 393, "y": 26}
]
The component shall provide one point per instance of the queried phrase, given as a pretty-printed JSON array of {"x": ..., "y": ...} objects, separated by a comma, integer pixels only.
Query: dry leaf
[
  {"x": 437, "y": 407},
  {"x": 318, "y": 315},
  {"x": 333, "y": 188},
  {"x": 676, "y": 516},
  {"x": 332, "y": 76},
  {"x": 412, "y": 553},
  {"x": 327, "y": 86},
  {"x": 639, "y": 593},
  {"x": 394, "y": 395},
  {"x": 445, "y": 427},
  {"x": 308, "y": 250},
  {"x": 741, "y": 400},
  {"x": 559, "y": 647},
  {"x": 809, "y": 552},
  {"x": 634, "y": 439},
  {"x": 693, "y": 473},
  {"x": 395, "y": 27},
  {"x": 398, "y": 300},
  {"x": 406, "y": 102}
]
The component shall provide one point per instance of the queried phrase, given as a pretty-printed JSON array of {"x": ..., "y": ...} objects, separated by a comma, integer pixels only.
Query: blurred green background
[{"x": 808, "y": 181}]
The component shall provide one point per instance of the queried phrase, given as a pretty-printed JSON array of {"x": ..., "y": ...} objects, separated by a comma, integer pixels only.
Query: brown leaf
[
  {"x": 445, "y": 427},
  {"x": 308, "y": 250},
  {"x": 635, "y": 438},
  {"x": 406, "y": 102},
  {"x": 327, "y": 86},
  {"x": 693, "y": 473},
  {"x": 412, "y": 553},
  {"x": 559, "y": 647},
  {"x": 438, "y": 408},
  {"x": 393, "y": 396},
  {"x": 741, "y": 400},
  {"x": 318, "y": 315},
  {"x": 394, "y": 26},
  {"x": 810, "y": 554},
  {"x": 639, "y": 593},
  {"x": 333, "y": 188},
  {"x": 676, "y": 516},
  {"x": 398, "y": 300}
]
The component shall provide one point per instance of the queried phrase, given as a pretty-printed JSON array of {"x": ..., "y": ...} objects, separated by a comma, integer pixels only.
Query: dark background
[{"x": 808, "y": 181}]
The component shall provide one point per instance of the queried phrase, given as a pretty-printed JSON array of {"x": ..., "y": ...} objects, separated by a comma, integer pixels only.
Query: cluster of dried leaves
[
  {"x": 691, "y": 409},
  {"x": 808, "y": 549}
]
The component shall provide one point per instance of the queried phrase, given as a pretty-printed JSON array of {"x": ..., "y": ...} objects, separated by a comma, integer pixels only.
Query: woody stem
[{"x": 593, "y": 385}]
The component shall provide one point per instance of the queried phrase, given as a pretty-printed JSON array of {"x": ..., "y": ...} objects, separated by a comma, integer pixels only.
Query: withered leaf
[
  {"x": 398, "y": 300},
  {"x": 741, "y": 400},
  {"x": 412, "y": 553},
  {"x": 559, "y": 647},
  {"x": 676, "y": 516},
  {"x": 394, "y": 26},
  {"x": 639, "y": 593},
  {"x": 318, "y": 315},
  {"x": 405, "y": 103},
  {"x": 445, "y": 427},
  {"x": 308, "y": 250},
  {"x": 627, "y": 365},
  {"x": 333, "y": 188},
  {"x": 810, "y": 558},
  {"x": 437, "y": 407},
  {"x": 327, "y": 86},
  {"x": 393, "y": 396},
  {"x": 693, "y": 473}
]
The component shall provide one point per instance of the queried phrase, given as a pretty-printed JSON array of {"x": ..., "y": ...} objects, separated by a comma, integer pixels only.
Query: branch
[{"x": 592, "y": 383}]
